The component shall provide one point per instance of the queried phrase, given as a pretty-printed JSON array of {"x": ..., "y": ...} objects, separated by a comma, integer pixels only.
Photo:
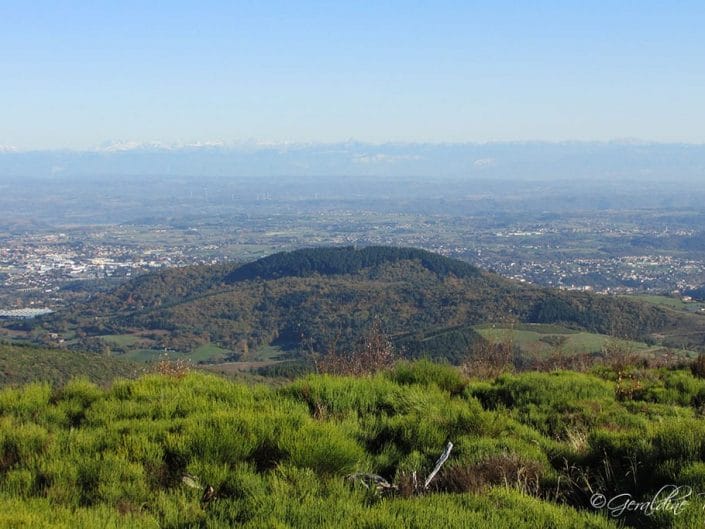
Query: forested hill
[
  {"x": 428, "y": 304},
  {"x": 347, "y": 260},
  {"x": 22, "y": 364}
]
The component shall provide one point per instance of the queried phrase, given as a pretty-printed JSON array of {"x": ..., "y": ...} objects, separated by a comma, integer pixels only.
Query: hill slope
[
  {"x": 322, "y": 296},
  {"x": 20, "y": 365}
]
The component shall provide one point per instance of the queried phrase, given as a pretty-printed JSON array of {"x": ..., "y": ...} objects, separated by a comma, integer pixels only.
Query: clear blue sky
[{"x": 76, "y": 74}]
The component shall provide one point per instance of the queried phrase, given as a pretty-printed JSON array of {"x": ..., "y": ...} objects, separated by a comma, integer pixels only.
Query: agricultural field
[
  {"x": 541, "y": 339},
  {"x": 671, "y": 302}
]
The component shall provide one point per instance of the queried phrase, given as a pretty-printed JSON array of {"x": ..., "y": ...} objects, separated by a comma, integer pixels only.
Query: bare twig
[{"x": 439, "y": 464}]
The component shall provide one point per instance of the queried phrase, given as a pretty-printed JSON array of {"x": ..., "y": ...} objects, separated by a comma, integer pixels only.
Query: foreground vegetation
[{"x": 180, "y": 449}]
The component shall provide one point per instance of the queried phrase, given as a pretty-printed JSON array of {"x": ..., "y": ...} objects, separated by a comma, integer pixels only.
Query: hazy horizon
[
  {"x": 588, "y": 161},
  {"x": 121, "y": 145}
]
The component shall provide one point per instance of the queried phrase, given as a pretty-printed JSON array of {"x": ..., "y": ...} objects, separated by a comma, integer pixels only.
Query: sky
[{"x": 83, "y": 74}]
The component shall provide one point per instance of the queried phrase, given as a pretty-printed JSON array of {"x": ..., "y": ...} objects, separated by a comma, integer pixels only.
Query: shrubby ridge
[{"x": 193, "y": 450}]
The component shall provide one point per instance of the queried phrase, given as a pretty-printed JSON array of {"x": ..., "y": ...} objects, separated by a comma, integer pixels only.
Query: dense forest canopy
[
  {"x": 346, "y": 260},
  {"x": 428, "y": 304}
]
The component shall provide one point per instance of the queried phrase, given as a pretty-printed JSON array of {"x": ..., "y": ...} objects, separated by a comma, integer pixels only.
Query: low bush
[
  {"x": 199, "y": 451},
  {"x": 446, "y": 377}
]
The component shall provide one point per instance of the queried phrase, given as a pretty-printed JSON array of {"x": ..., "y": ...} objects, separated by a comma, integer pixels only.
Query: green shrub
[
  {"x": 680, "y": 439},
  {"x": 86, "y": 457},
  {"x": 21, "y": 443},
  {"x": 618, "y": 453},
  {"x": 554, "y": 403},
  {"x": 18, "y": 483},
  {"x": 545, "y": 390},
  {"x": 28, "y": 402},
  {"x": 672, "y": 387},
  {"x": 324, "y": 448},
  {"x": 80, "y": 390},
  {"x": 341, "y": 395},
  {"x": 693, "y": 475},
  {"x": 471, "y": 450},
  {"x": 446, "y": 377},
  {"x": 41, "y": 513}
]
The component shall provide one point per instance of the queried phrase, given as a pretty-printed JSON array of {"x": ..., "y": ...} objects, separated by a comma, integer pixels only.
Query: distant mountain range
[
  {"x": 536, "y": 160},
  {"x": 428, "y": 304}
]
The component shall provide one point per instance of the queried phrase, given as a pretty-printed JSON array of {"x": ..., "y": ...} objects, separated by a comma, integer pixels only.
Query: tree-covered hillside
[
  {"x": 22, "y": 364},
  {"x": 348, "y": 260},
  {"x": 317, "y": 297}
]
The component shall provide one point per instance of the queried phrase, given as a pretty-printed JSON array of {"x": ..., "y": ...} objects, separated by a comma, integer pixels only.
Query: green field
[
  {"x": 670, "y": 301},
  {"x": 122, "y": 340},
  {"x": 138, "y": 349},
  {"x": 268, "y": 352},
  {"x": 208, "y": 351},
  {"x": 536, "y": 339}
]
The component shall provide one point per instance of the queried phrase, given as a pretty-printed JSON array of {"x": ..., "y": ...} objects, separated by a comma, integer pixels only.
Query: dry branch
[{"x": 439, "y": 464}]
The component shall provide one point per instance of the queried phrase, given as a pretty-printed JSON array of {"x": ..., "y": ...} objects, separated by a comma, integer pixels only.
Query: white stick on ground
[{"x": 439, "y": 464}]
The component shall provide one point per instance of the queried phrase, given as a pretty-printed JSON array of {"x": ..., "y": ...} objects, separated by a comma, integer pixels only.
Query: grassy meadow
[
  {"x": 188, "y": 449},
  {"x": 547, "y": 339},
  {"x": 672, "y": 302}
]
